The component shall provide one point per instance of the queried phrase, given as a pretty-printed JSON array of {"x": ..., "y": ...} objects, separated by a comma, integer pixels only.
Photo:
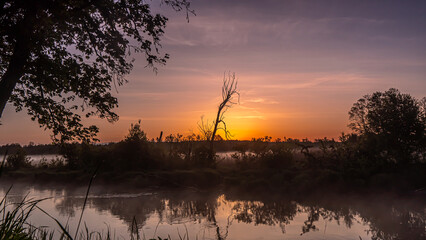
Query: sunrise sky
[{"x": 300, "y": 66}]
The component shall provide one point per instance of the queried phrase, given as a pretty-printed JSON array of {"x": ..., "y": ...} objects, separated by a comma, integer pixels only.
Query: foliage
[
  {"x": 202, "y": 156},
  {"x": 57, "y": 57},
  {"x": 394, "y": 122},
  {"x": 136, "y": 134},
  {"x": 17, "y": 159},
  {"x": 135, "y": 152},
  {"x": 56, "y": 163},
  {"x": 13, "y": 222},
  {"x": 280, "y": 157}
]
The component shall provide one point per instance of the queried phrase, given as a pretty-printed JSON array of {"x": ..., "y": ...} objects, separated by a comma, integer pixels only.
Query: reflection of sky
[
  {"x": 300, "y": 66},
  {"x": 99, "y": 219}
]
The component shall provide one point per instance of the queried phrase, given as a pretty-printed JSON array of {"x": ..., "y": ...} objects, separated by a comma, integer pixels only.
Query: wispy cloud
[
  {"x": 250, "y": 117},
  {"x": 261, "y": 100},
  {"x": 177, "y": 41},
  {"x": 312, "y": 81},
  {"x": 246, "y": 107}
]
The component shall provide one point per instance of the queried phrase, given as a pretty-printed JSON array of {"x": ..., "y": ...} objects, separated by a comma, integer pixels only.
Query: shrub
[{"x": 18, "y": 159}]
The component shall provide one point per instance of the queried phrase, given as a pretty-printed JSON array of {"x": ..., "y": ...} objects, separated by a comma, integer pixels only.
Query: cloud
[
  {"x": 250, "y": 117},
  {"x": 246, "y": 108},
  {"x": 177, "y": 40},
  {"x": 312, "y": 80},
  {"x": 261, "y": 100}
]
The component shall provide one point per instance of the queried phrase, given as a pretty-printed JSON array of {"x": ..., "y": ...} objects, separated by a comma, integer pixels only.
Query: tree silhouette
[
  {"x": 229, "y": 91},
  {"x": 60, "y": 56},
  {"x": 396, "y": 119}
]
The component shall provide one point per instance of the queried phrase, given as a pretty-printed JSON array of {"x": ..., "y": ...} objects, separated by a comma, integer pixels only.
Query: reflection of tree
[
  {"x": 131, "y": 209},
  {"x": 315, "y": 212},
  {"x": 191, "y": 209},
  {"x": 395, "y": 222},
  {"x": 170, "y": 207},
  {"x": 197, "y": 208},
  {"x": 313, "y": 216},
  {"x": 269, "y": 213},
  {"x": 387, "y": 218},
  {"x": 66, "y": 207}
]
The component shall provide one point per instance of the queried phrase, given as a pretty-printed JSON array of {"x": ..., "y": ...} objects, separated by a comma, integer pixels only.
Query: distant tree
[
  {"x": 396, "y": 119},
  {"x": 60, "y": 56},
  {"x": 170, "y": 138},
  {"x": 136, "y": 133},
  {"x": 135, "y": 151},
  {"x": 267, "y": 139}
]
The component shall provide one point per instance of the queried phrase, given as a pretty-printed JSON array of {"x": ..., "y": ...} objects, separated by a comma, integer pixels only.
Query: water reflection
[{"x": 226, "y": 215}]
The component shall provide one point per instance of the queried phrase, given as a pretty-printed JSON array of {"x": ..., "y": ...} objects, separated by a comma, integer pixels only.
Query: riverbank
[{"x": 276, "y": 181}]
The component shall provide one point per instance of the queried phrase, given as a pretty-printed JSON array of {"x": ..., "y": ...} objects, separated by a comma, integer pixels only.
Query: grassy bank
[{"x": 250, "y": 180}]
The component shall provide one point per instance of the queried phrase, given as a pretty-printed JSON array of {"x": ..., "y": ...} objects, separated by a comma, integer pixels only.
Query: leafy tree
[
  {"x": 57, "y": 57},
  {"x": 136, "y": 133},
  {"x": 136, "y": 152},
  {"x": 395, "y": 120}
]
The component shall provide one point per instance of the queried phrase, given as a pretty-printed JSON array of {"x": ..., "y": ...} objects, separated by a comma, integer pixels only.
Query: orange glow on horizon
[{"x": 299, "y": 70}]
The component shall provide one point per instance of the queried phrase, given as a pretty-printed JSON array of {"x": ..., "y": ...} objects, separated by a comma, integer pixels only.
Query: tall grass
[{"x": 14, "y": 216}]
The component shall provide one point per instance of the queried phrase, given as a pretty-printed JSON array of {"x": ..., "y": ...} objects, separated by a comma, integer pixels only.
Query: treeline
[
  {"x": 354, "y": 160},
  {"x": 387, "y": 149},
  {"x": 136, "y": 151},
  {"x": 30, "y": 149},
  {"x": 221, "y": 145}
]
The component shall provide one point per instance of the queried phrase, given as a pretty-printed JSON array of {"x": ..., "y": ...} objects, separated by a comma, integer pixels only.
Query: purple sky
[{"x": 300, "y": 66}]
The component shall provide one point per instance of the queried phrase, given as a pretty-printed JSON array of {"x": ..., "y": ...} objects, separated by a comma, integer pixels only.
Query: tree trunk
[
  {"x": 21, "y": 53},
  {"x": 14, "y": 71},
  {"x": 211, "y": 152}
]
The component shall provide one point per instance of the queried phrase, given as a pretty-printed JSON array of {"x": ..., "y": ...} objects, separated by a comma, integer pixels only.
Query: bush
[
  {"x": 201, "y": 156},
  {"x": 18, "y": 159},
  {"x": 280, "y": 156}
]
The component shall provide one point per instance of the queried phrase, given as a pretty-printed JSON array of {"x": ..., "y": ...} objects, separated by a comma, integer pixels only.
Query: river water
[{"x": 196, "y": 214}]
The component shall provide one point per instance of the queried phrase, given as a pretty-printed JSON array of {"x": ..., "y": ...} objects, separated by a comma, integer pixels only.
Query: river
[{"x": 219, "y": 214}]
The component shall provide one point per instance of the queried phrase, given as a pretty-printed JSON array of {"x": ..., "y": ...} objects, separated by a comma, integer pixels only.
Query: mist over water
[{"x": 226, "y": 214}]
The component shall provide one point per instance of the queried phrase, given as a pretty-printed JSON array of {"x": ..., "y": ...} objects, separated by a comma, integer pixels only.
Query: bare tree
[
  {"x": 229, "y": 92},
  {"x": 205, "y": 128}
]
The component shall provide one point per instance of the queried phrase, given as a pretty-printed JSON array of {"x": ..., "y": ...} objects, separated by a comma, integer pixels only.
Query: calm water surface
[{"x": 220, "y": 215}]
